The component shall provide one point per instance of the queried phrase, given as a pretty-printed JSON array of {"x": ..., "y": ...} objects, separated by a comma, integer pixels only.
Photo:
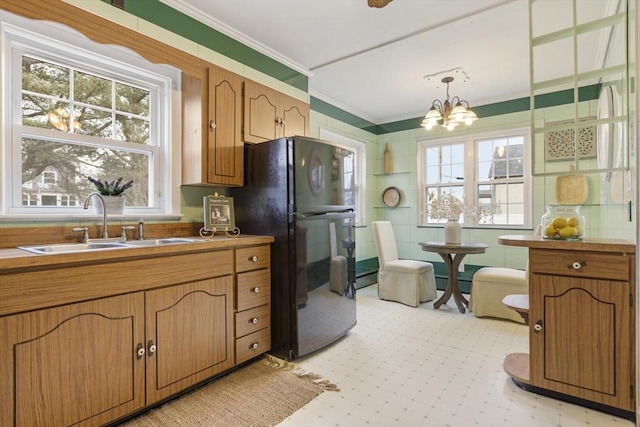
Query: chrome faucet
[
  {"x": 105, "y": 233},
  {"x": 141, "y": 230}
]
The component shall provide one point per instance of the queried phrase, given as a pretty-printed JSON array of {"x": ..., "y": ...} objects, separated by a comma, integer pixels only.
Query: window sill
[{"x": 62, "y": 218}]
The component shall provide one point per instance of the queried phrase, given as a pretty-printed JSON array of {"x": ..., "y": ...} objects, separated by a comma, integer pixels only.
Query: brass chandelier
[{"x": 442, "y": 112}]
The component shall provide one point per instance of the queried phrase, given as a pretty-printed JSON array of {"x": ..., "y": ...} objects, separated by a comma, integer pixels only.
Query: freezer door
[{"x": 324, "y": 176}]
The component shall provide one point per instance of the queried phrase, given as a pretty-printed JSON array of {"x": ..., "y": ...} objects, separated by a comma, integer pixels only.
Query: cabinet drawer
[
  {"x": 252, "y": 320},
  {"x": 580, "y": 264},
  {"x": 254, "y": 289},
  {"x": 253, "y": 345},
  {"x": 253, "y": 258}
]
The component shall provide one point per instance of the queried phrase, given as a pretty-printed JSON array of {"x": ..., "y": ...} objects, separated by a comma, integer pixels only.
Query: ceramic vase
[
  {"x": 113, "y": 204},
  {"x": 387, "y": 160},
  {"x": 452, "y": 232}
]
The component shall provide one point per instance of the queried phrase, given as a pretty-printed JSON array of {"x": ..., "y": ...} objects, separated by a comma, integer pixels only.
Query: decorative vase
[
  {"x": 387, "y": 159},
  {"x": 113, "y": 204},
  {"x": 452, "y": 232}
]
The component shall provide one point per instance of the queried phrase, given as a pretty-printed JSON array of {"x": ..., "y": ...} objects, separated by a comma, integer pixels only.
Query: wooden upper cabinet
[
  {"x": 269, "y": 114},
  {"x": 212, "y": 134}
]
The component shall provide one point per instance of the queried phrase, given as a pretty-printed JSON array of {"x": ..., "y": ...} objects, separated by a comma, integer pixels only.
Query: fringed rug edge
[{"x": 277, "y": 363}]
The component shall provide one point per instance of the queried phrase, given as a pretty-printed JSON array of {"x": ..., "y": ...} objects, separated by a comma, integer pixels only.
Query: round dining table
[{"x": 452, "y": 254}]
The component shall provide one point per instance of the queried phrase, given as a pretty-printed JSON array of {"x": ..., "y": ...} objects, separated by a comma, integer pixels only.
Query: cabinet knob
[
  {"x": 152, "y": 347},
  {"x": 212, "y": 125},
  {"x": 140, "y": 351},
  {"x": 254, "y": 258},
  {"x": 577, "y": 265},
  {"x": 256, "y": 289},
  {"x": 253, "y": 346},
  {"x": 537, "y": 327},
  {"x": 254, "y": 320}
]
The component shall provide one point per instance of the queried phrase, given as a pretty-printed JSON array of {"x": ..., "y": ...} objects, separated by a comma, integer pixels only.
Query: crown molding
[{"x": 240, "y": 37}]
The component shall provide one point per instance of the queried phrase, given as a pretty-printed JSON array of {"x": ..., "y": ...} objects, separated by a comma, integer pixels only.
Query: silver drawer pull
[
  {"x": 254, "y": 320},
  {"x": 253, "y": 346},
  {"x": 577, "y": 265},
  {"x": 256, "y": 289},
  {"x": 253, "y": 258}
]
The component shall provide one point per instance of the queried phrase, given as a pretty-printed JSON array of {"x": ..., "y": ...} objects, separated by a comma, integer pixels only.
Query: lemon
[
  {"x": 579, "y": 231},
  {"x": 559, "y": 222},
  {"x": 568, "y": 231},
  {"x": 550, "y": 231},
  {"x": 573, "y": 221}
]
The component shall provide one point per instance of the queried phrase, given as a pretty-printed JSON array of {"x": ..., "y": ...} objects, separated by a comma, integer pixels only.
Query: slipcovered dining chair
[{"x": 406, "y": 281}]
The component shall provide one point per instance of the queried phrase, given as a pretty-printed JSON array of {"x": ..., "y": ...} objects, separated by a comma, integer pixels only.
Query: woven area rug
[{"x": 263, "y": 393}]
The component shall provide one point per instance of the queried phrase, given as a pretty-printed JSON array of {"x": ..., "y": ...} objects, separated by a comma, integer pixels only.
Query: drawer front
[
  {"x": 580, "y": 264},
  {"x": 253, "y": 258},
  {"x": 252, "y": 320},
  {"x": 254, "y": 289},
  {"x": 253, "y": 345}
]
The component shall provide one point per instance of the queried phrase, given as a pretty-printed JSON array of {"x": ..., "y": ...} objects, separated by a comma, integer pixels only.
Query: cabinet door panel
[
  {"x": 583, "y": 348},
  {"x": 295, "y": 116},
  {"x": 81, "y": 360},
  {"x": 192, "y": 328},
  {"x": 224, "y": 129},
  {"x": 261, "y": 113}
]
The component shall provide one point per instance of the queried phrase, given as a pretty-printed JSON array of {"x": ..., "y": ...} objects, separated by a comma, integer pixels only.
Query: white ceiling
[{"x": 372, "y": 62}]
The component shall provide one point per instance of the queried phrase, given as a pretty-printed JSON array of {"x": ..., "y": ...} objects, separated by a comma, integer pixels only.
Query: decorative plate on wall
[{"x": 391, "y": 197}]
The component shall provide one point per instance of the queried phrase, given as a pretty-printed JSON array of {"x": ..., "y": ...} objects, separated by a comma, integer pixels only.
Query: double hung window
[
  {"x": 483, "y": 179},
  {"x": 79, "y": 111}
]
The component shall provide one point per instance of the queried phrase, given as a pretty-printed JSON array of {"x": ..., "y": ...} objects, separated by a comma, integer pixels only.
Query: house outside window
[
  {"x": 487, "y": 172},
  {"x": 85, "y": 110}
]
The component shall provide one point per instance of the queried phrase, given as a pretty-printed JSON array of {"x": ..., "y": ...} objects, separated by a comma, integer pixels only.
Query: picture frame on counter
[{"x": 219, "y": 214}]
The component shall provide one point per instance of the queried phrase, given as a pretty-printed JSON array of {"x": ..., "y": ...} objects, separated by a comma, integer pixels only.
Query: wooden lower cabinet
[
  {"x": 119, "y": 335},
  {"x": 253, "y": 302},
  {"x": 581, "y": 323},
  {"x": 72, "y": 365},
  {"x": 191, "y": 327},
  {"x": 581, "y": 326}
]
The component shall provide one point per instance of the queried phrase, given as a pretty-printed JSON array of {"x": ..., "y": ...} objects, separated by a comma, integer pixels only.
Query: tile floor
[{"x": 404, "y": 366}]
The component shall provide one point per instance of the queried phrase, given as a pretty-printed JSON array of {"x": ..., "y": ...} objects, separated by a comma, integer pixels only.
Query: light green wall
[{"x": 604, "y": 219}]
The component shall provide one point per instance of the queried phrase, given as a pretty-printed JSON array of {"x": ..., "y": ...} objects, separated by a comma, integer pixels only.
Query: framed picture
[{"x": 218, "y": 213}]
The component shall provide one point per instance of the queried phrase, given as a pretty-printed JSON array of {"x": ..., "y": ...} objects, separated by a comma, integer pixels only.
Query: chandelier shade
[{"x": 442, "y": 113}]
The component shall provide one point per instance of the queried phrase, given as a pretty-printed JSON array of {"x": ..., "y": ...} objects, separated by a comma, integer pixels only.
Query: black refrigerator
[{"x": 301, "y": 190}]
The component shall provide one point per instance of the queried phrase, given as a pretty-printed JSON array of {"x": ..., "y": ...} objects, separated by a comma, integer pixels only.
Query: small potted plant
[{"x": 111, "y": 193}]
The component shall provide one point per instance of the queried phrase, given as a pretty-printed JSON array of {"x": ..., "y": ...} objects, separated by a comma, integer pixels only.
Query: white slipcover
[
  {"x": 489, "y": 287},
  {"x": 407, "y": 281}
]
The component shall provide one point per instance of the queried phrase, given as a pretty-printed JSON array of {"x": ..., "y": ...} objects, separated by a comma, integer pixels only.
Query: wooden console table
[{"x": 582, "y": 323}]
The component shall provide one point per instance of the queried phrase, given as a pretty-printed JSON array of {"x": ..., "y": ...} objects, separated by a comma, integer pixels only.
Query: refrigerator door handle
[{"x": 325, "y": 213}]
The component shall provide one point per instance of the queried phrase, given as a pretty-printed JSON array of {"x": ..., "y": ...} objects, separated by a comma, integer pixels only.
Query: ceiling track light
[{"x": 442, "y": 112}]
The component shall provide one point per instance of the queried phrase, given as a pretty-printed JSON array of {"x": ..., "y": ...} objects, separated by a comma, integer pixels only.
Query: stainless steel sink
[
  {"x": 159, "y": 242},
  {"x": 93, "y": 246},
  {"x": 72, "y": 247}
]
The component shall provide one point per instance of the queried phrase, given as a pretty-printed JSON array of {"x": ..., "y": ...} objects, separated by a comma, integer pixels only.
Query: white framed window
[
  {"x": 74, "y": 109},
  {"x": 357, "y": 168},
  {"x": 487, "y": 172}
]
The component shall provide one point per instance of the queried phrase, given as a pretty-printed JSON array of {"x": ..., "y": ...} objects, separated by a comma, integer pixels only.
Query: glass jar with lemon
[{"x": 563, "y": 223}]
